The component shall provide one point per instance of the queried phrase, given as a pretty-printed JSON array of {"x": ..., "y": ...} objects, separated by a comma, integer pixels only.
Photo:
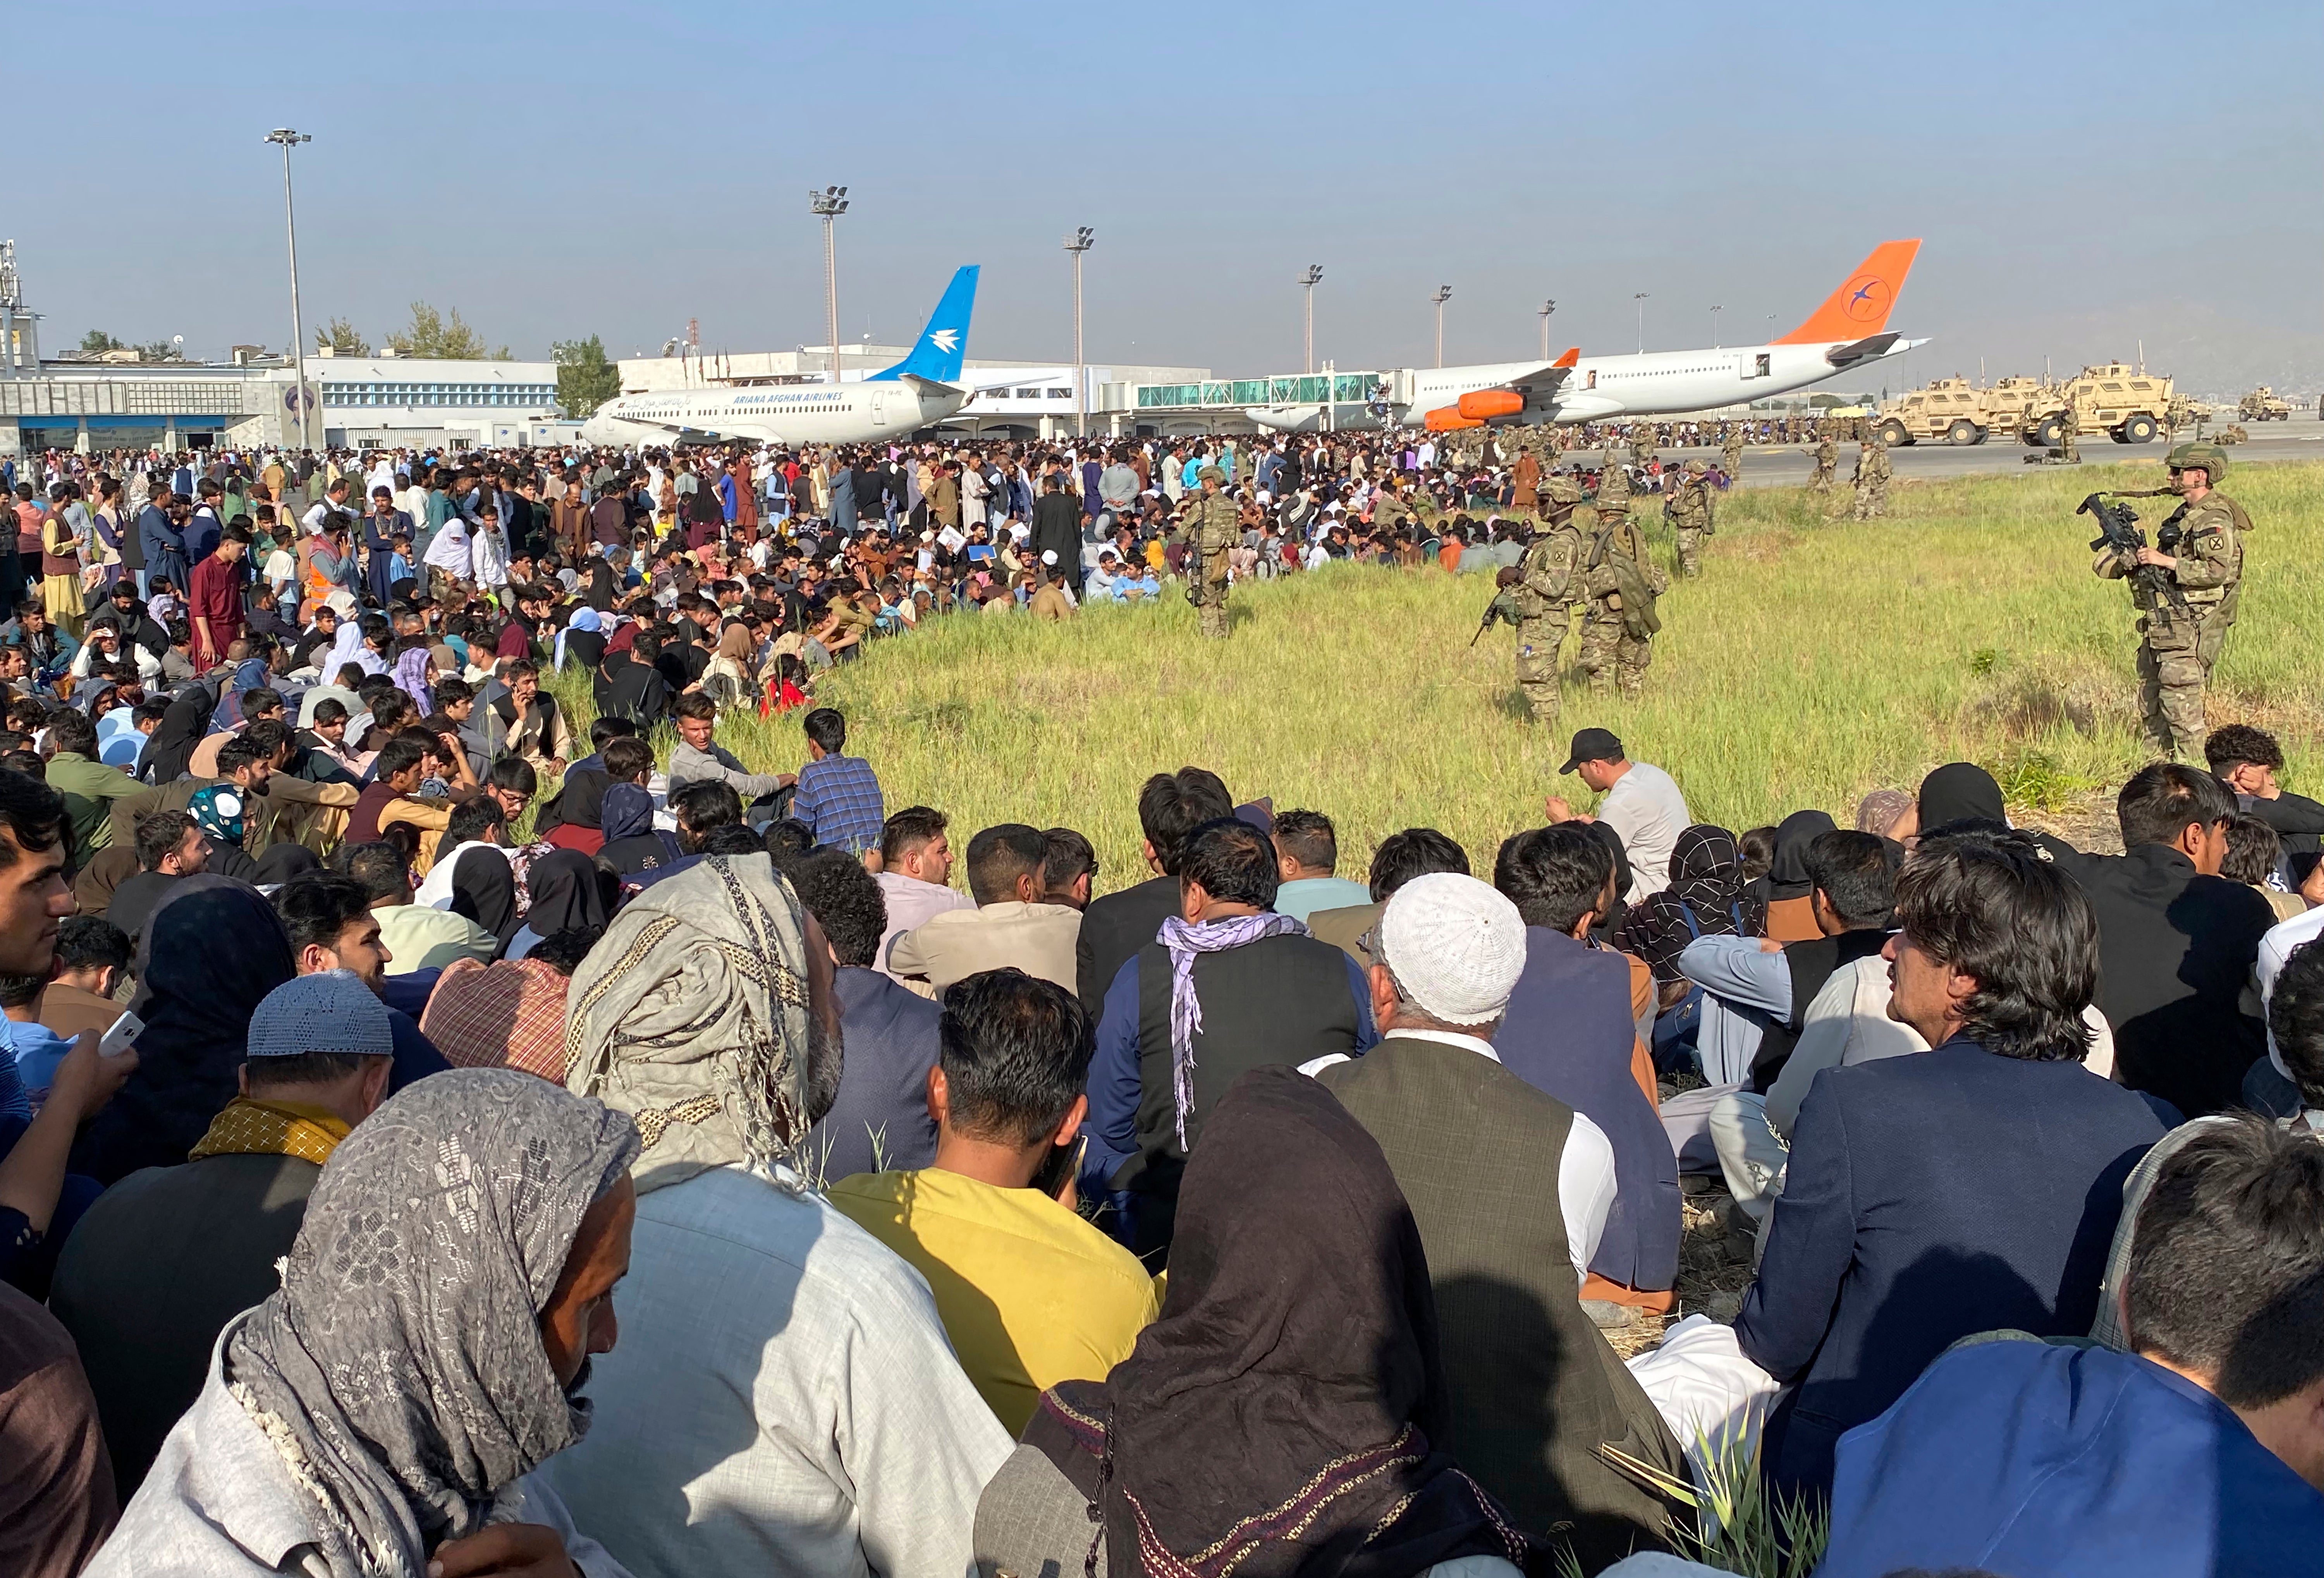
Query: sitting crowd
[{"x": 708, "y": 1184}]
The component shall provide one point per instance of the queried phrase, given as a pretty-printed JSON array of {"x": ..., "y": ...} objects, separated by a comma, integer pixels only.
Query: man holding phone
[{"x": 1030, "y": 1294}]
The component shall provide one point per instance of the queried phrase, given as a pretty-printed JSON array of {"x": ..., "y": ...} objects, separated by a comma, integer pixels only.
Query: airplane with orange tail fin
[{"x": 1846, "y": 332}]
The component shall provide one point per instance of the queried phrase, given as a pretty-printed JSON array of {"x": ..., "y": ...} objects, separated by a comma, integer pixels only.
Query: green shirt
[{"x": 88, "y": 788}]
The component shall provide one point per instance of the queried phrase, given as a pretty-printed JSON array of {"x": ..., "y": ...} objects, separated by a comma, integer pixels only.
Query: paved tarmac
[{"x": 2301, "y": 438}]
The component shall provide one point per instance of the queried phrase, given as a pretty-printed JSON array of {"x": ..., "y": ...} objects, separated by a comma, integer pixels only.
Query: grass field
[{"x": 1815, "y": 659}]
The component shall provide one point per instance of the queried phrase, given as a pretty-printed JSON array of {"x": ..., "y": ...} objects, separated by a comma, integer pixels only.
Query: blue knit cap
[{"x": 330, "y": 1012}]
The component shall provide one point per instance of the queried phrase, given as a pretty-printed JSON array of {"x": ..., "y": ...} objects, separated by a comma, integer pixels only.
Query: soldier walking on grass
[
  {"x": 1826, "y": 463},
  {"x": 1730, "y": 452},
  {"x": 1689, "y": 508},
  {"x": 1212, "y": 529},
  {"x": 1546, "y": 580},
  {"x": 1622, "y": 582},
  {"x": 1871, "y": 480},
  {"x": 2200, "y": 549}
]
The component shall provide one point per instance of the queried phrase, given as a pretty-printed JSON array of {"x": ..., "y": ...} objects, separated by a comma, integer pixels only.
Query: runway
[{"x": 2301, "y": 438}]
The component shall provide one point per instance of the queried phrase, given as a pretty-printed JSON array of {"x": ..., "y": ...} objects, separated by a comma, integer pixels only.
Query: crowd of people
[{"x": 730, "y": 1172}]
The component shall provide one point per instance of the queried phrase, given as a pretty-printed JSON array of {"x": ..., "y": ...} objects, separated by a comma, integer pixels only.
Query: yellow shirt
[{"x": 1030, "y": 1294}]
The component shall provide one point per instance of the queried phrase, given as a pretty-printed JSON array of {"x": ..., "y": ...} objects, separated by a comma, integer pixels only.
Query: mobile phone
[
  {"x": 1064, "y": 1161},
  {"x": 121, "y": 1035}
]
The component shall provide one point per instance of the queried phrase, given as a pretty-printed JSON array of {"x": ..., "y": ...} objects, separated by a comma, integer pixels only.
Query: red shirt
[{"x": 214, "y": 592}]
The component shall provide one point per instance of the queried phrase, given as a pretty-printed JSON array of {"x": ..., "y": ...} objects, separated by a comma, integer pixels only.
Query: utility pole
[
  {"x": 1307, "y": 277},
  {"x": 828, "y": 204},
  {"x": 299, "y": 395},
  {"x": 1640, "y": 297},
  {"x": 1444, "y": 294},
  {"x": 1546, "y": 308},
  {"x": 1077, "y": 244},
  {"x": 1715, "y": 311}
]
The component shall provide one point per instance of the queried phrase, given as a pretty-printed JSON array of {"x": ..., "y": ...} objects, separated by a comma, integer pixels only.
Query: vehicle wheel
[
  {"x": 2046, "y": 433},
  {"x": 2139, "y": 429},
  {"x": 1893, "y": 435},
  {"x": 1981, "y": 435},
  {"x": 1962, "y": 432}
]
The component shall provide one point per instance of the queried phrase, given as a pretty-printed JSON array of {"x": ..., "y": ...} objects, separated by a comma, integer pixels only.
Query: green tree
[
  {"x": 96, "y": 342},
  {"x": 340, "y": 338},
  {"x": 443, "y": 336},
  {"x": 159, "y": 351},
  {"x": 585, "y": 380}
]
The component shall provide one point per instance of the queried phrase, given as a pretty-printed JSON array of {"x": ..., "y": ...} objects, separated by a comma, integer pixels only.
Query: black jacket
[
  {"x": 629, "y": 689},
  {"x": 1115, "y": 927},
  {"x": 2175, "y": 952},
  {"x": 1057, "y": 526}
]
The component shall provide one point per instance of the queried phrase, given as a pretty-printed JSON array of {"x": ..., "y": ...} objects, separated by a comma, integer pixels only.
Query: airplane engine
[
  {"x": 1449, "y": 419},
  {"x": 1483, "y": 404}
]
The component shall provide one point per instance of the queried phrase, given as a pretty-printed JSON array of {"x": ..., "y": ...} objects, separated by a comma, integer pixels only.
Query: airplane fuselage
[{"x": 790, "y": 414}]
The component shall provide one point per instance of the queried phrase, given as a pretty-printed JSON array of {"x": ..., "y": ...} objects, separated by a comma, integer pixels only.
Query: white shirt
[
  {"x": 2275, "y": 947},
  {"x": 1585, "y": 1168},
  {"x": 1648, "y": 811}
]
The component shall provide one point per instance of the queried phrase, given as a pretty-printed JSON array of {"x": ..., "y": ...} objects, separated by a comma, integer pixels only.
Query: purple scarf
[
  {"x": 1184, "y": 942},
  {"x": 412, "y": 678}
]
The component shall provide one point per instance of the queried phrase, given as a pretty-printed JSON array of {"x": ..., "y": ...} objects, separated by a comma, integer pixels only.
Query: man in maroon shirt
[{"x": 214, "y": 598}]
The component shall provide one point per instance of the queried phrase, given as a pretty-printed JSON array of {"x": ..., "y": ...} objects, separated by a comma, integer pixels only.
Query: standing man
[
  {"x": 1730, "y": 452},
  {"x": 1861, "y": 480},
  {"x": 1689, "y": 508},
  {"x": 1613, "y": 488},
  {"x": 1546, "y": 580},
  {"x": 1642, "y": 444},
  {"x": 1211, "y": 530},
  {"x": 1826, "y": 463},
  {"x": 214, "y": 598},
  {"x": 2184, "y": 612},
  {"x": 161, "y": 542},
  {"x": 1622, "y": 583},
  {"x": 1058, "y": 529},
  {"x": 2069, "y": 428}
]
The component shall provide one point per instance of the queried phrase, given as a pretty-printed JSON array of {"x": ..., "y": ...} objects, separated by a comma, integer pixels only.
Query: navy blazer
[
  {"x": 1929, "y": 1198},
  {"x": 880, "y": 1118}
]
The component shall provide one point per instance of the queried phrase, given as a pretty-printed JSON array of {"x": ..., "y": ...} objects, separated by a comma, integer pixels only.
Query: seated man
[
  {"x": 1030, "y": 1294},
  {"x": 1534, "y": 1392},
  {"x": 881, "y": 1117},
  {"x": 1400, "y": 857},
  {"x": 1013, "y": 927},
  {"x": 915, "y": 861},
  {"x": 416, "y": 937},
  {"x": 1226, "y": 986},
  {"x": 1963, "y": 1189},
  {"x": 93, "y": 957},
  {"x": 1306, "y": 849},
  {"x": 697, "y": 756},
  {"x": 2199, "y": 1449},
  {"x": 792, "y": 1407},
  {"x": 167, "y": 1256}
]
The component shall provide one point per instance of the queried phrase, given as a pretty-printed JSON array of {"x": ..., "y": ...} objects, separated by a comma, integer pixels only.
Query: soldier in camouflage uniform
[
  {"x": 1688, "y": 506},
  {"x": 1642, "y": 444},
  {"x": 2178, "y": 645},
  {"x": 1730, "y": 452},
  {"x": 1827, "y": 464},
  {"x": 1613, "y": 488},
  {"x": 1209, "y": 518},
  {"x": 2069, "y": 428},
  {"x": 1871, "y": 480},
  {"x": 1546, "y": 581},
  {"x": 1621, "y": 581}
]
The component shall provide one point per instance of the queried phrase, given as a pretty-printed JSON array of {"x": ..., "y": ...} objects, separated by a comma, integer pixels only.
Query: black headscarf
[
  {"x": 1281, "y": 1415},
  {"x": 1706, "y": 885},
  {"x": 1959, "y": 792},
  {"x": 171, "y": 746},
  {"x": 209, "y": 955},
  {"x": 1788, "y": 878},
  {"x": 484, "y": 889},
  {"x": 567, "y": 894},
  {"x": 580, "y": 801}
]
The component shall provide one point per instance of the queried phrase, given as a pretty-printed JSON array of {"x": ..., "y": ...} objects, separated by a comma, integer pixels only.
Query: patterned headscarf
[
  {"x": 217, "y": 808},
  {"x": 400, "y": 1368},
  {"x": 1706, "y": 889},
  {"x": 691, "y": 1014}
]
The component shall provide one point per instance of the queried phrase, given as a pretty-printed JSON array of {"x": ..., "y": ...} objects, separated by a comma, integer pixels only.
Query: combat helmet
[
  {"x": 1560, "y": 489},
  {"x": 2209, "y": 456},
  {"x": 1695, "y": 468}
]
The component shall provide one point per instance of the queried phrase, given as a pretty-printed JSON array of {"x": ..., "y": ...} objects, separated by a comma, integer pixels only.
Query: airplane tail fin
[
  {"x": 1571, "y": 358},
  {"x": 944, "y": 344},
  {"x": 1861, "y": 306}
]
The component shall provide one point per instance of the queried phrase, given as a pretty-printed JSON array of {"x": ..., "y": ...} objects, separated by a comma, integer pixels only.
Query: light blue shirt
[
  {"x": 1746, "y": 989},
  {"x": 1304, "y": 897}
]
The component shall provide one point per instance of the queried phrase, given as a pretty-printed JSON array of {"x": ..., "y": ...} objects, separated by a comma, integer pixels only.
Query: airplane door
[{"x": 879, "y": 408}]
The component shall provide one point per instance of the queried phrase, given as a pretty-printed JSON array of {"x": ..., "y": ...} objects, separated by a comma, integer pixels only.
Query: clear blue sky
[{"x": 555, "y": 170}]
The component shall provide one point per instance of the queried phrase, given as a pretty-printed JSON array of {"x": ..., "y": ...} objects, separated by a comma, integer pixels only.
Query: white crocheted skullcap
[{"x": 1454, "y": 945}]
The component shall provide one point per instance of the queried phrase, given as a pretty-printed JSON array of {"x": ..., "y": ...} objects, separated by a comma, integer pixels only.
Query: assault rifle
[
  {"x": 2118, "y": 530},
  {"x": 1501, "y": 610}
]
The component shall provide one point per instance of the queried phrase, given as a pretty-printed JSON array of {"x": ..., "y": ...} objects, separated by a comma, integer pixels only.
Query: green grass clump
[{"x": 1814, "y": 660}]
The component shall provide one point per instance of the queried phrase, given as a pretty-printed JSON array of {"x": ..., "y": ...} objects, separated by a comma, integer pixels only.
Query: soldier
[
  {"x": 1826, "y": 463},
  {"x": 1689, "y": 508},
  {"x": 1730, "y": 452},
  {"x": 1546, "y": 580},
  {"x": 1642, "y": 444},
  {"x": 2200, "y": 551},
  {"x": 1209, "y": 517},
  {"x": 1617, "y": 628},
  {"x": 2069, "y": 428},
  {"x": 1871, "y": 478},
  {"x": 1613, "y": 488}
]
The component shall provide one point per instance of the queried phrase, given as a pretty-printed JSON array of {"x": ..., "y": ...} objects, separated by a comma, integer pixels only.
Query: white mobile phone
[{"x": 123, "y": 1034}]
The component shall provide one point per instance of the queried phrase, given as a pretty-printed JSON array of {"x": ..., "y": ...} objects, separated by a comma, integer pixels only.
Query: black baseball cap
[{"x": 1592, "y": 745}]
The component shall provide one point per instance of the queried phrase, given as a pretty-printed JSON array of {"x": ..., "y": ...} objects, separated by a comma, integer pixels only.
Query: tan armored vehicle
[
  {"x": 2124, "y": 403},
  {"x": 1949, "y": 408},
  {"x": 2263, "y": 406}
]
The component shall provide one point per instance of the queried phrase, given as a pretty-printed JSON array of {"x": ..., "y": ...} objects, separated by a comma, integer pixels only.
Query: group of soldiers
[{"x": 1871, "y": 478}]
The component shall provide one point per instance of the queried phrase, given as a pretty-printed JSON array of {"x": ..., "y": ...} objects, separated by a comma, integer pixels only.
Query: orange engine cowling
[
  {"x": 1449, "y": 419},
  {"x": 1478, "y": 405}
]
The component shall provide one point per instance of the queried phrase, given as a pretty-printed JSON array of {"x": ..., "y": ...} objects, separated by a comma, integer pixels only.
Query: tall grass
[{"x": 1814, "y": 660}]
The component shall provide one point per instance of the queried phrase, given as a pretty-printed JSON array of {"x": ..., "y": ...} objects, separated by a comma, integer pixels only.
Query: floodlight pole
[
  {"x": 1546, "y": 309},
  {"x": 1077, "y": 244},
  {"x": 828, "y": 204},
  {"x": 1307, "y": 277},
  {"x": 1641, "y": 299},
  {"x": 1444, "y": 294},
  {"x": 287, "y": 137}
]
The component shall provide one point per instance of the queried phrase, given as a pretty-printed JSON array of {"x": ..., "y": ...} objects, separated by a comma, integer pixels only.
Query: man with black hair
[
  {"x": 2193, "y": 1443},
  {"x": 1306, "y": 850},
  {"x": 1067, "y": 870},
  {"x": 92, "y": 963},
  {"x": 698, "y": 757},
  {"x": 1226, "y": 986},
  {"x": 89, "y": 785},
  {"x": 1029, "y": 1293},
  {"x": 416, "y": 937},
  {"x": 914, "y": 869},
  {"x": 2248, "y": 760},
  {"x": 1400, "y": 857},
  {"x": 1013, "y": 926},
  {"x": 881, "y": 1117},
  {"x": 167, "y": 1256},
  {"x": 526, "y": 721},
  {"x": 396, "y": 774},
  {"x": 169, "y": 845},
  {"x": 1568, "y": 1032},
  {"x": 1170, "y": 806},
  {"x": 838, "y": 795},
  {"x": 1968, "y": 1188},
  {"x": 332, "y": 926},
  {"x": 2176, "y": 939}
]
